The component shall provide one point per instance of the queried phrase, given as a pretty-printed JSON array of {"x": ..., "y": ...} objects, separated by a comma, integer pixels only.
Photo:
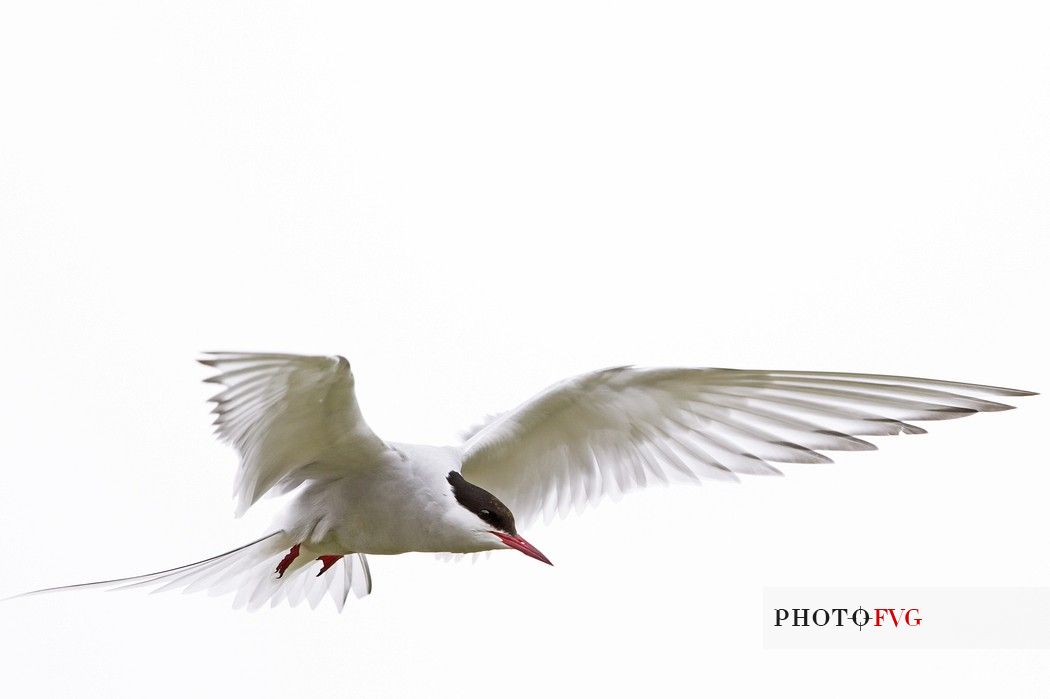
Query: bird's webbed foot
[
  {"x": 289, "y": 557},
  {"x": 326, "y": 563}
]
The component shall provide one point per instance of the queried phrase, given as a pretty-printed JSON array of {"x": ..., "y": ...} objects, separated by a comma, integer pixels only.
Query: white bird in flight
[{"x": 297, "y": 426}]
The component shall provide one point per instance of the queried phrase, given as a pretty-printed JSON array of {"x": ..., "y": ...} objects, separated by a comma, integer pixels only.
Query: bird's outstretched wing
[
  {"x": 610, "y": 431},
  {"x": 290, "y": 417}
]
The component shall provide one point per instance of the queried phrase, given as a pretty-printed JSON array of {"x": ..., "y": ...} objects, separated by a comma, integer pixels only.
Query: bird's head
[{"x": 495, "y": 522}]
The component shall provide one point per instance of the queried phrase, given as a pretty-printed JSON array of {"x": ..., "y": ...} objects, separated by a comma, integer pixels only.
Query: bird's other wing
[
  {"x": 290, "y": 417},
  {"x": 468, "y": 434},
  {"x": 610, "y": 431}
]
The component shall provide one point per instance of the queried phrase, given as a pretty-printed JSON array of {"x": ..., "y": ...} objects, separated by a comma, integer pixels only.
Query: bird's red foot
[
  {"x": 292, "y": 554},
  {"x": 327, "y": 562}
]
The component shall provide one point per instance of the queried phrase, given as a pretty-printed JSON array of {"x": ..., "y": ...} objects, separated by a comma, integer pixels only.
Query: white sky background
[{"x": 471, "y": 201}]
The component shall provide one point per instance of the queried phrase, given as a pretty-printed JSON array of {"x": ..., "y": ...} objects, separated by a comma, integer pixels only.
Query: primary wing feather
[
  {"x": 290, "y": 417},
  {"x": 610, "y": 431}
]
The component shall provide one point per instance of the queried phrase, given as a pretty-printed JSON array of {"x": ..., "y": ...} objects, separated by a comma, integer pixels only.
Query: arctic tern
[{"x": 296, "y": 424}]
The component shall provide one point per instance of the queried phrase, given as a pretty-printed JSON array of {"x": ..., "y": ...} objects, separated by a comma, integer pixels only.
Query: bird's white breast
[{"x": 404, "y": 504}]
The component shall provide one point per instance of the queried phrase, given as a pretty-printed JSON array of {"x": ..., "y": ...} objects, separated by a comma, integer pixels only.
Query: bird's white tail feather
[{"x": 249, "y": 572}]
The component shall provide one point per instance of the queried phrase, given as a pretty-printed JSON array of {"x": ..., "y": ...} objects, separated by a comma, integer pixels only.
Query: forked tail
[{"x": 250, "y": 572}]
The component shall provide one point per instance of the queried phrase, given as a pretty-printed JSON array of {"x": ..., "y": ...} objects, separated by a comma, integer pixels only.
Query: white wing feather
[
  {"x": 611, "y": 431},
  {"x": 290, "y": 417}
]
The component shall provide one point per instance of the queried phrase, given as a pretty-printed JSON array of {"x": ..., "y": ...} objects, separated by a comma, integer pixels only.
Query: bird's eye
[{"x": 485, "y": 513}]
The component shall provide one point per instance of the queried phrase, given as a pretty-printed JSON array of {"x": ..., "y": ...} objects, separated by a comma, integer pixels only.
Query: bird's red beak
[{"x": 516, "y": 542}]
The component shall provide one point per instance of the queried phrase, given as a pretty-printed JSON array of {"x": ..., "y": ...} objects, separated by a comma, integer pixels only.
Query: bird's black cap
[{"x": 482, "y": 503}]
